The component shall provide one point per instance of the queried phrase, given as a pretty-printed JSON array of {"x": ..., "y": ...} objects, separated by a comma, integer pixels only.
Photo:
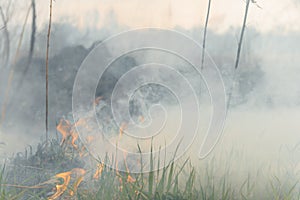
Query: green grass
[{"x": 27, "y": 175}]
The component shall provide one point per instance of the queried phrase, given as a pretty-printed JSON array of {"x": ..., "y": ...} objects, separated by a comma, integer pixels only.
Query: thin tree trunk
[
  {"x": 33, "y": 31},
  {"x": 47, "y": 71},
  {"x": 238, "y": 53},
  {"x": 11, "y": 73},
  {"x": 32, "y": 43},
  {"x": 242, "y": 35},
  {"x": 6, "y": 35},
  {"x": 205, "y": 32}
]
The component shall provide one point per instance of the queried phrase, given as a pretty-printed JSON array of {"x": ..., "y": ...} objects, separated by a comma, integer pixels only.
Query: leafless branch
[
  {"x": 47, "y": 70},
  {"x": 242, "y": 35},
  {"x": 6, "y": 35},
  {"x": 205, "y": 32},
  {"x": 238, "y": 52},
  {"x": 32, "y": 43},
  {"x": 11, "y": 73},
  {"x": 33, "y": 31}
]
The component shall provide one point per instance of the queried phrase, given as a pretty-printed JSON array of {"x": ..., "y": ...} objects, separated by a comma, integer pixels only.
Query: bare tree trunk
[
  {"x": 11, "y": 73},
  {"x": 242, "y": 35},
  {"x": 47, "y": 71},
  {"x": 33, "y": 31},
  {"x": 6, "y": 34},
  {"x": 204, "y": 35},
  {"x": 32, "y": 43},
  {"x": 238, "y": 52}
]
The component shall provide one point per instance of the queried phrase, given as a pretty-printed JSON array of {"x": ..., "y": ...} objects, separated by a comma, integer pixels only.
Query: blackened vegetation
[
  {"x": 63, "y": 67},
  {"x": 34, "y": 168}
]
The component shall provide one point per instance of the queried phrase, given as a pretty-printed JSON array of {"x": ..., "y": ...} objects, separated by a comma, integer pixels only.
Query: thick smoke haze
[{"x": 262, "y": 121}]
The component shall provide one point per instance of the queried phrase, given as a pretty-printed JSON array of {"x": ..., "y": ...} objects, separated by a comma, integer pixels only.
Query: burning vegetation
[{"x": 62, "y": 169}]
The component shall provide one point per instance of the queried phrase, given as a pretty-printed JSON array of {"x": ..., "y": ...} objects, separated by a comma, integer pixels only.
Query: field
[
  {"x": 149, "y": 100},
  {"x": 64, "y": 170}
]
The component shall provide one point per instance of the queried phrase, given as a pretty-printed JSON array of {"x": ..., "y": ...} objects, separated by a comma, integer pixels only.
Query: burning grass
[
  {"x": 55, "y": 172},
  {"x": 62, "y": 169}
]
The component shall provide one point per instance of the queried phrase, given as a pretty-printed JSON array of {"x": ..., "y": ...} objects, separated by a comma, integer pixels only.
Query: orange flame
[
  {"x": 82, "y": 152},
  {"x": 64, "y": 127},
  {"x": 66, "y": 176},
  {"x": 89, "y": 139},
  {"x": 74, "y": 138},
  {"x": 141, "y": 119},
  {"x": 130, "y": 179},
  {"x": 80, "y": 122},
  {"x": 97, "y": 100},
  {"x": 61, "y": 188},
  {"x": 99, "y": 171},
  {"x": 80, "y": 173},
  {"x": 122, "y": 128},
  {"x": 68, "y": 130}
]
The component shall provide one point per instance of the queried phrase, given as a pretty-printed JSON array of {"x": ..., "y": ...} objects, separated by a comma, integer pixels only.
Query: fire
[
  {"x": 80, "y": 122},
  {"x": 68, "y": 130},
  {"x": 122, "y": 128},
  {"x": 141, "y": 119},
  {"x": 80, "y": 174},
  {"x": 97, "y": 100},
  {"x": 64, "y": 127},
  {"x": 89, "y": 139},
  {"x": 74, "y": 136},
  {"x": 82, "y": 152},
  {"x": 70, "y": 134},
  {"x": 99, "y": 171},
  {"x": 61, "y": 188},
  {"x": 130, "y": 179},
  {"x": 66, "y": 176}
]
